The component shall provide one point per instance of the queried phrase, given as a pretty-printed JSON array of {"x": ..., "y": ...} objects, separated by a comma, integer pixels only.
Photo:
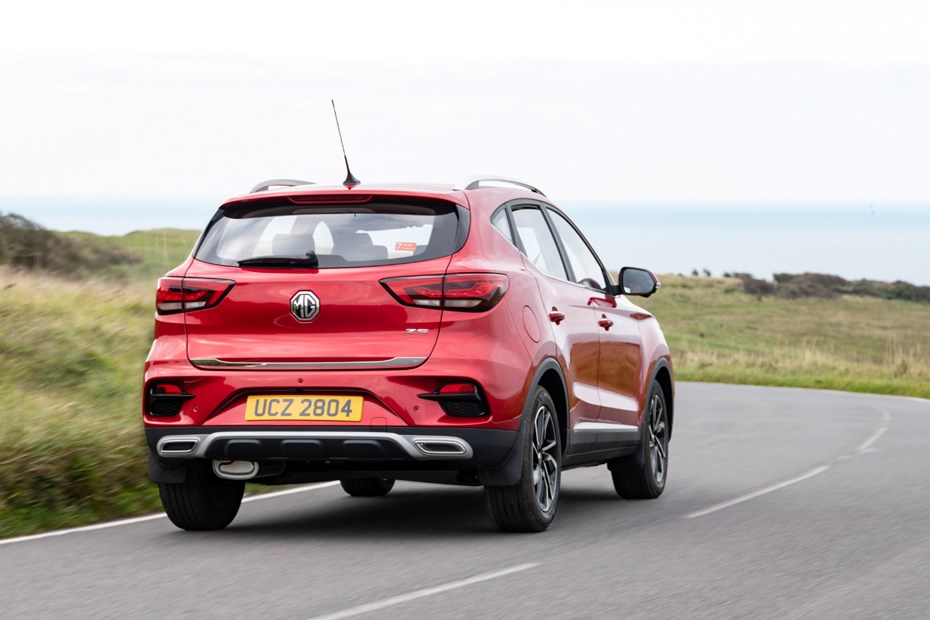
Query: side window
[
  {"x": 538, "y": 241},
  {"x": 587, "y": 270},
  {"x": 500, "y": 222}
]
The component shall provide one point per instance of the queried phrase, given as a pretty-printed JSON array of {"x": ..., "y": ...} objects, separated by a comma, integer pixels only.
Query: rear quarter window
[{"x": 376, "y": 233}]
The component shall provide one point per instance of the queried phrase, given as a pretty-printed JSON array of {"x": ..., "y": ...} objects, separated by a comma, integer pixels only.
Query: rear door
[
  {"x": 571, "y": 317},
  {"x": 620, "y": 360},
  {"x": 307, "y": 290}
]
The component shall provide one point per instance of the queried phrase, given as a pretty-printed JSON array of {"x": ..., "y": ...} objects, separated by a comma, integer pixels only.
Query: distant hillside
[
  {"x": 843, "y": 342},
  {"x": 26, "y": 245},
  {"x": 140, "y": 254},
  {"x": 158, "y": 250},
  {"x": 825, "y": 286}
]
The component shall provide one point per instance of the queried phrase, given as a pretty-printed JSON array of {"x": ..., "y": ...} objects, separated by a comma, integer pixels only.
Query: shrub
[{"x": 27, "y": 245}]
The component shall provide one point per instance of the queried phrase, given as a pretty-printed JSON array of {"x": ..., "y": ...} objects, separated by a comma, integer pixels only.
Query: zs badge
[{"x": 305, "y": 306}]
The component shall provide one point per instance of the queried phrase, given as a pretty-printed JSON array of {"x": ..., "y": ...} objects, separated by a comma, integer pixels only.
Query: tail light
[
  {"x": 185, "y": 294},
  {"x": 468, "y": 292}
]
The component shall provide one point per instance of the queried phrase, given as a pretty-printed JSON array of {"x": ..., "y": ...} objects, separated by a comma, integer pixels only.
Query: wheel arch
[
  {"x": 662, "y": 374},
  {"x": 549, "y": 376}
]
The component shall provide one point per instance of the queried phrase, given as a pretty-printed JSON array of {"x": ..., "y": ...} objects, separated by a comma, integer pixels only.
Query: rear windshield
[{"x": 376, "y": 233}]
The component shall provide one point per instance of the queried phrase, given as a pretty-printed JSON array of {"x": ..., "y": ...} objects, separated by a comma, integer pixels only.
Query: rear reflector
[
  {"x": 457, "y": 388},
  {"x": 186, "y": 294},
  {"x": 468, "y": 292}
]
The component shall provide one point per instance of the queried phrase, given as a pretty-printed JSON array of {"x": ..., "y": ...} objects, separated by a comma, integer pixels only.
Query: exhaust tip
[
  {"x": 235, "y": 470},
  {"x": 178, "y": 446},
  {"x": 445, "y": 447}
]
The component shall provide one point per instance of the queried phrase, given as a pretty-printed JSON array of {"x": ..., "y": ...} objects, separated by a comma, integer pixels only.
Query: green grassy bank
[
  {"x": 862, "y": 344},
  {"x": 71, "y": 356},
  {"x": 72, "y": 350}
]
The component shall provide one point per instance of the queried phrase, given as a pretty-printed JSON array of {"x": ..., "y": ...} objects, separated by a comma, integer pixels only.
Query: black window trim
[
  {"x": 608, "y": 281},
  {"x": 610, "y": 287},
  {"x": 509, "y": 217}
]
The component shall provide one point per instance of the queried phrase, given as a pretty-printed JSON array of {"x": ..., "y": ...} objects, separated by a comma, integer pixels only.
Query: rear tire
[
  {"x": 367, "y": 487},
  {"x": 643, "y": 475},
  {"x": 202, "y": 501},
  {"x": 530, "y": 505}
]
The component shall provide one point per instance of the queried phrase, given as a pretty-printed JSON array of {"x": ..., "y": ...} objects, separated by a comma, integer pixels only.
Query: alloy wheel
[
  {"x": 658, "y": 439},
  {"x": 545, "y": 462}
]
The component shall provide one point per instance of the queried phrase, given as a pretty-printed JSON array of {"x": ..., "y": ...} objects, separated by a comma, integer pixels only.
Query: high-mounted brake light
[
  {"x": 186, "y": 294},
  {"x": 468, "y": 292}
]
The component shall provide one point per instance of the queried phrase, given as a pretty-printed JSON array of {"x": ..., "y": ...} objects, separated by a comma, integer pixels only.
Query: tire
[
  {"x": 202, "y": 501},
  {"x": 531, "y": 504},
  {"x": 367, "y": 487},
  {"x": 643, "y": 476}
]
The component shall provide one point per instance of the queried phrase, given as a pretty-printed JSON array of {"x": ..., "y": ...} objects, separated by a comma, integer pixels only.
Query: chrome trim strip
[
  {"x": 604, "y": 427},
  {"x": 396, "y": 362},
  {"x": 409, "y": 445}
]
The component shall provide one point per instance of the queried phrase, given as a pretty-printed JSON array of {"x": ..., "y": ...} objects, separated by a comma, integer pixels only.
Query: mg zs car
[{"x": 466, "y": 335}]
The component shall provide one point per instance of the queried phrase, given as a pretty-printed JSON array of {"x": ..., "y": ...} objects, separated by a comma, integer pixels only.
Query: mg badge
[{"x": 305, "y": 306}]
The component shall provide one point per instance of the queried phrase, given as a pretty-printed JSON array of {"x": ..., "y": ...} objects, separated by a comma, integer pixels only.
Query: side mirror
[{"x": 636, "y": 281}]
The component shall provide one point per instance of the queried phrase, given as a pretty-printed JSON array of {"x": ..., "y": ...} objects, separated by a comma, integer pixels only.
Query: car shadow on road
[{"x": 410, "y": 513}]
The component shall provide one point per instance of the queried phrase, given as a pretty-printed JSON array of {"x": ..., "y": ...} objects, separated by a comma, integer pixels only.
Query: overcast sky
[{"x": 648, "y": 100}]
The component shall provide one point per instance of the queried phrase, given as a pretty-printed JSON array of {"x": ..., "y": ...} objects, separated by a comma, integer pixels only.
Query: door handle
[
  {"x": 605, "y": 322},
  {"x": 555, "y": 316}
]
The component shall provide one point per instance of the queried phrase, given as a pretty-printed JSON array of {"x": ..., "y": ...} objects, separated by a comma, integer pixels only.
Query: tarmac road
[{"x": 781, "y": 503}]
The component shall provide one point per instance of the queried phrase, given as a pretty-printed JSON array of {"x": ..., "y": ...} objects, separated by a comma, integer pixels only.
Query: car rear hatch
[{"x": 307, "y": 272}]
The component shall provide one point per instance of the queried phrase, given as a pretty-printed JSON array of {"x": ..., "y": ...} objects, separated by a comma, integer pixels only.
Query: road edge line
[{"x": 133, "y": 520}]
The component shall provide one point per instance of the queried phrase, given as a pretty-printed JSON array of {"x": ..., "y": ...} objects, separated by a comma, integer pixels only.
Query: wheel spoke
[
  {"x": 550, "y": 490},
  {"x": 541, "y": 488},
  {"x": 540, "y": 427},
  {"x": 659, "y": 428},
  {"x": 661, "y": 449}
]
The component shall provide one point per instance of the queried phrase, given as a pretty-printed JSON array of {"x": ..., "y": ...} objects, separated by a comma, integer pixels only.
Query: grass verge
[{"x": 859, "y": 344}]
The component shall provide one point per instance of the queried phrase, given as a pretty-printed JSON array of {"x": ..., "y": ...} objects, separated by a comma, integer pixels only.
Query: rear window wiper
[{"x": 310, "y": 260}]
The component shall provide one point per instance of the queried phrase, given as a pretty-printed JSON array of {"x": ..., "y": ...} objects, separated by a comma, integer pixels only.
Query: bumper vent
[
  {"x": 459, "y": 399},
  {"x": 165, "y": 400},
  {"x": 462, "y": 408}
]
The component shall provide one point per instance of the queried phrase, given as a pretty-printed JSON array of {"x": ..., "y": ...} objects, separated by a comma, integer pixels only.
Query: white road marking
[
  {"x": 412, "y": 596},
  {"x": 109, "y": 524},
  {"x": 864, "y": 447},
  {"x": 755, "y": 494},
  {"x": 312, "y": 487}
]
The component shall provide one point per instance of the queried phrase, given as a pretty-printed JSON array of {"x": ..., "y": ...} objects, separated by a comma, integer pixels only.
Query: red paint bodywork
[{"x": 607, "y": 371}]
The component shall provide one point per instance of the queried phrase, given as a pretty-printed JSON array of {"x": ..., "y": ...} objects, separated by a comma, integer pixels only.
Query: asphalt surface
[{"x": 781, "y": 503}]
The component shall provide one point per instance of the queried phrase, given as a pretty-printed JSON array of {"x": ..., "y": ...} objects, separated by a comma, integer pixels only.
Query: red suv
[{"x": 465, "y": 335}]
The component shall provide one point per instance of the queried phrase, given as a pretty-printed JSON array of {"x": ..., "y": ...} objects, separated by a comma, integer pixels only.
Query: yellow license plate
[{"x": 316, "y": 408}]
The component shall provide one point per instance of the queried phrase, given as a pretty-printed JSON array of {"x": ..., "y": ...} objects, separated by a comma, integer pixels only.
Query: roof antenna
[{"x": 350, "y": 181}]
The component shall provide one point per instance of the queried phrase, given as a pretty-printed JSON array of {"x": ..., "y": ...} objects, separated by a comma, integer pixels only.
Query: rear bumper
[{"x": 394, "y": 448}]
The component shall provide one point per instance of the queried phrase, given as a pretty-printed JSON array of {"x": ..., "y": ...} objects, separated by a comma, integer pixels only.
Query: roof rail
[
  {"x": 266, "y": 185},
  {"x": 475, "y": 183}
]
